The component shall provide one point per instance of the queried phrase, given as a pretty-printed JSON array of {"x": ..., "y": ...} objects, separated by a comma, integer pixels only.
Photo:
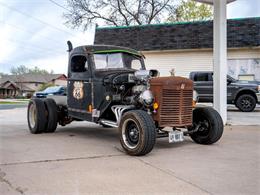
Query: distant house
[
  {"x": 187, "y": 46},
  {"x": 14, "y": 85}
]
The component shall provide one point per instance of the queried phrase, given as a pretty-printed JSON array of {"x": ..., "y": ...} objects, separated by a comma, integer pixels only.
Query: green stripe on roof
[
  {"x": 145, "y": 25},
  {"x": 117, "y": 51},
  {"x": 168, "y": 23}
]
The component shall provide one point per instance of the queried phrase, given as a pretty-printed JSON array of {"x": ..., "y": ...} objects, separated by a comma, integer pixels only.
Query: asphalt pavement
[{"x": 84, "y": 158}]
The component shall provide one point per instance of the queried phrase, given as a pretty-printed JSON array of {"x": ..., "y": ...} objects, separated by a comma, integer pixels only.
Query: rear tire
[
  {"x": 246, "y": 103},
  {"x": 137, "y": 132},
  {"x": 211, "y": 128},
  {"x": 36, "y": 116},
  {"x": 52, "y": 116}
]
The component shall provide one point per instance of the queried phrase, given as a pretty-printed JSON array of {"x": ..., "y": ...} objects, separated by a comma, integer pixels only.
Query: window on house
[
  {"x": 79, "y": 64},
  {"x": 248, "y": 69}
]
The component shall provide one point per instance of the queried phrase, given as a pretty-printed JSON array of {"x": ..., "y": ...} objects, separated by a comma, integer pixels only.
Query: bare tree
[{"x": 118, "y": 12}]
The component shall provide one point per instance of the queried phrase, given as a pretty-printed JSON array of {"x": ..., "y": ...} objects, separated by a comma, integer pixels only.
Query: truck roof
[{"x": 104, "y": 49}]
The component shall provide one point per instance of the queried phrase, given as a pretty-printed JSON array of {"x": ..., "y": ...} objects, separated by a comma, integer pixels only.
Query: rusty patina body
[{"x": 174, "y": 96}]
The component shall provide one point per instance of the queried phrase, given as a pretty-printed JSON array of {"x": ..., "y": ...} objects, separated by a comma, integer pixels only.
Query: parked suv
[
  {"x": 54, "y": 90},
  {"x": 244, "y": 94}
]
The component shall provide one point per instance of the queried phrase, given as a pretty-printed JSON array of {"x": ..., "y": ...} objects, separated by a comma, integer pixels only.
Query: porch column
[{"x": 220, "y": 58}]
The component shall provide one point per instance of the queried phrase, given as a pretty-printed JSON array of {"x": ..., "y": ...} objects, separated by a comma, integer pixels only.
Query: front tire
[
  {"x": 246, "y": 103},
  {"x": 36, "y": 116},
  {"x": 137, "y": 132},
  {"x": 211, "y": 126}
]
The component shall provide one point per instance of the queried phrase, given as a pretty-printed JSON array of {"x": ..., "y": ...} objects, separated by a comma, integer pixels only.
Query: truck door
[
  {"x": 79, "y": 87},
  {"x": 204, "y": 86}
]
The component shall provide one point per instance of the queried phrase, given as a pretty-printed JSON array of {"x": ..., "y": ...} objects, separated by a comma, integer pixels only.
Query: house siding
[
  {"x": 60, "y": 82},
  {"x": 193, "y": 60}
]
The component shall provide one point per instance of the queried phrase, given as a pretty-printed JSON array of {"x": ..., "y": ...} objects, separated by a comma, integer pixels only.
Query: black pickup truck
[{"x": 244, "y": 94}]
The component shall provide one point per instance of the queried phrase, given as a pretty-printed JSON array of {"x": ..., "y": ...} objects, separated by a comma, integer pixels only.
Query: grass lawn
[
  {"x": 9, "y": 102},
  {"x": 23, "y": 100}
]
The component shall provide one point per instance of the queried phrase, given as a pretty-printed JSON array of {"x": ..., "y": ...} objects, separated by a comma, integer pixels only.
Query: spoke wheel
[
  {"x": 130, "y": 133},
  {"x": 246, "y": 103}
]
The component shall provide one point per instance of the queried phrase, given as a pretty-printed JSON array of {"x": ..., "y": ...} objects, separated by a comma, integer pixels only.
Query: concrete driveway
[{"x": 83, "y": 158}]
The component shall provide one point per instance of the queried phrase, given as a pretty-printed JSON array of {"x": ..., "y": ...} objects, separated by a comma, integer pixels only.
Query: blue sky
[{"x": 32, "y": 32}]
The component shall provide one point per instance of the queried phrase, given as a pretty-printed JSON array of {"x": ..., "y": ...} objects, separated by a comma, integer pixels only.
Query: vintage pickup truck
[{"x": 110, "y": 86}]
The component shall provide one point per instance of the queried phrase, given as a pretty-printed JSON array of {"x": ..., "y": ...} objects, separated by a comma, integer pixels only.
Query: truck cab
[{"x": 90, "y": 74}]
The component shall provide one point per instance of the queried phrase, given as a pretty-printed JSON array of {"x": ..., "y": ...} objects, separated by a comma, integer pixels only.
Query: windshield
[
  {"x": 52, "y": 89},
  {"x": 117, "y": 61}
]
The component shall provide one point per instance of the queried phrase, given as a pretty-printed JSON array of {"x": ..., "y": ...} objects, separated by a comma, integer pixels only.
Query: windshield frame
[{"x": 123, "y": 54}]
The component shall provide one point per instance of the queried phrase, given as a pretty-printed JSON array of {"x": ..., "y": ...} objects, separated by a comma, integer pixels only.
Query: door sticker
[{"x": 78, "y": 90}]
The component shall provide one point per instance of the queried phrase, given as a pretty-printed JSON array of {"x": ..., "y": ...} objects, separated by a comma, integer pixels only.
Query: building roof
[
  {"x": 186, "y": 35},
  {"x": 8, "y": 85},
  {"x": 30, "y": 78}
]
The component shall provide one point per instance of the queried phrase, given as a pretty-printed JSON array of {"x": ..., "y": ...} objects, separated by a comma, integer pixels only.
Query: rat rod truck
[{"x": 110, "y": 86}]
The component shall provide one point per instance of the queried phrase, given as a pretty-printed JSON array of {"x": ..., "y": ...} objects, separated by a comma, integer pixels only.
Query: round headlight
[
  {"x": 195, "y": 96},
  {"x": 146, "y": 98}
]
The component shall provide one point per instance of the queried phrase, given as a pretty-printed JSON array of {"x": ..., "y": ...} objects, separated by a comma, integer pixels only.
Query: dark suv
[{"x": 244, "y": 94}]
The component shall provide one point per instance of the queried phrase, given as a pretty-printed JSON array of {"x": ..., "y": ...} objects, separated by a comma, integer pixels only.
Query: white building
[{"x": 188, "y": 46}]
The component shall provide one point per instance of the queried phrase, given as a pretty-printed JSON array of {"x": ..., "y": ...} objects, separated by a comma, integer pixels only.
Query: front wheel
[
  {"x": 137, "y": 132},
  {"x": 246, "y": 103},
  {"x": 209, "y": 126}
]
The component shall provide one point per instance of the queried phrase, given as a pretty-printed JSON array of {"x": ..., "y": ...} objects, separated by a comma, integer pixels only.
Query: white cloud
[
  {"x": 243, "y": 8},
  {"x": 57, "y": 63},
  {"x": 37, "y": 44},
  {"x": 26, "y": 41}
]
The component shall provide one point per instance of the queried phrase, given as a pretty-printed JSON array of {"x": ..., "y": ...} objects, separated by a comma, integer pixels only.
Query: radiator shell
[{"x": 174, "y": 96}]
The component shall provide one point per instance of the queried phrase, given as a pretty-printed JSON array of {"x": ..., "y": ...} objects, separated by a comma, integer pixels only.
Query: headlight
[
  {"x": 195, "y": 95},
  {"x": 259, "y": 88},
  {"x": 146, "y": 98},
  {"x": 194, "y": 98}
]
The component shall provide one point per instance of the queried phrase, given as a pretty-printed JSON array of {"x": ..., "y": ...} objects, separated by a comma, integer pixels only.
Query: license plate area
[{"x": 175, "y": 136}]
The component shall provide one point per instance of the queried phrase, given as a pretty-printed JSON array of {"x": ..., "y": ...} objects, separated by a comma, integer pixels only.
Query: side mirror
[{"x": 229, "y": 81}]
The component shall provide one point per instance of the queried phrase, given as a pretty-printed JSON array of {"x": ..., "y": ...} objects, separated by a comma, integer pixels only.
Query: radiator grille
[{"x": 176, "y": 107}]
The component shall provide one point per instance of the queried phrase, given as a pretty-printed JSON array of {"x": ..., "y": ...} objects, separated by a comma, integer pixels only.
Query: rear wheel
[
  {"x": 52, "y": 115},
  {"x": 246, "y": 103},
  {"x": 36, "y": 116},
  {"x": 137, "y": 132},
  {"x": 209, "y": 126}
]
